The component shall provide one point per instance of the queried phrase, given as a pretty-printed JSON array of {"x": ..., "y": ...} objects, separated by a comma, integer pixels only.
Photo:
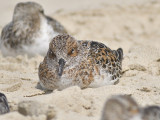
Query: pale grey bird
[
  {"x": 29, "y": 32},
  {"x": 122, "y": 107}
]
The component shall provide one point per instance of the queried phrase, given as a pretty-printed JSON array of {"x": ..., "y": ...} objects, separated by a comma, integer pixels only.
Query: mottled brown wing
[{"x": 107, "y": 58}]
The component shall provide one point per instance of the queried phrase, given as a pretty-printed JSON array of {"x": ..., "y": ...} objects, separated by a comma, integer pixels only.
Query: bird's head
[{"x": 63, "y": 53}]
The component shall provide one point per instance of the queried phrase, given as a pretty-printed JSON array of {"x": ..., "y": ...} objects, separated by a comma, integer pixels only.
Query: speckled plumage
[
  {"x": 30, "y": 31},
  {"x": 4, "y": 108},
  {"x": 76, "y": 62},
  {"x": 123, "y": 107}
]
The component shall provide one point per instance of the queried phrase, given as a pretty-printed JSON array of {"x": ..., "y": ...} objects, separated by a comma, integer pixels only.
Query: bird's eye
[
  {"x": 72, "y": 52},
  {"x": 51, "y": 54}
]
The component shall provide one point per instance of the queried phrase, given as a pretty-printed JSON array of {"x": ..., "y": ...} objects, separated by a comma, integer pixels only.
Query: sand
[{"x": 132, "y": 25}]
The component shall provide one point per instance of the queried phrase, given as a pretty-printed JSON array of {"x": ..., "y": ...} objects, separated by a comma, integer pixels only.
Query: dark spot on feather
[
  {"x": 84, "y": 43},
  {"x": 94, "y": 44},
  {"x": 101, "y": 45},
  {"x": 104, "y": 66}
]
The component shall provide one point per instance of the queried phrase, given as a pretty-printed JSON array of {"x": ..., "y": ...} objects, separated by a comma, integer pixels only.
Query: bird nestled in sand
[
  {"x": 4, "y": 108},
  {"x": 83, "y": 63},
  {"x": 124, "y": 107},
  {"x": 29, "y": 32}
]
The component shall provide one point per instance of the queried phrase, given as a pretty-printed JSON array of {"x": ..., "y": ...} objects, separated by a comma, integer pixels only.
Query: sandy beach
[{"x": 132, "y": 25}]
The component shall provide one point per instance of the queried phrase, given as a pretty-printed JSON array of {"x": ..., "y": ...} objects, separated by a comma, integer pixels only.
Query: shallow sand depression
[{"x": 134, "y": 27}]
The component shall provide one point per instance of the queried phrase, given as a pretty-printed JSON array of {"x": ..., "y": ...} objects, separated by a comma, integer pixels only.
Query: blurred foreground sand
[{"x": 134, "y": 26}]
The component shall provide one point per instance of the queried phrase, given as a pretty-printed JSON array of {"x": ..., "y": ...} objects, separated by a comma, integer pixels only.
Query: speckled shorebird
[
  {"x": 4, "y": 108},
  {"x": 151, "y": 113},
  {"x": 79, "y": 62},
  {"x": 29, "y": 32},
  {"x": 123, "y": 107}
]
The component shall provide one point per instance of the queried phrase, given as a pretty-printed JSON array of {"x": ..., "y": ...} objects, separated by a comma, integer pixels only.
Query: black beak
[{"x": 61, "y": 66}]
